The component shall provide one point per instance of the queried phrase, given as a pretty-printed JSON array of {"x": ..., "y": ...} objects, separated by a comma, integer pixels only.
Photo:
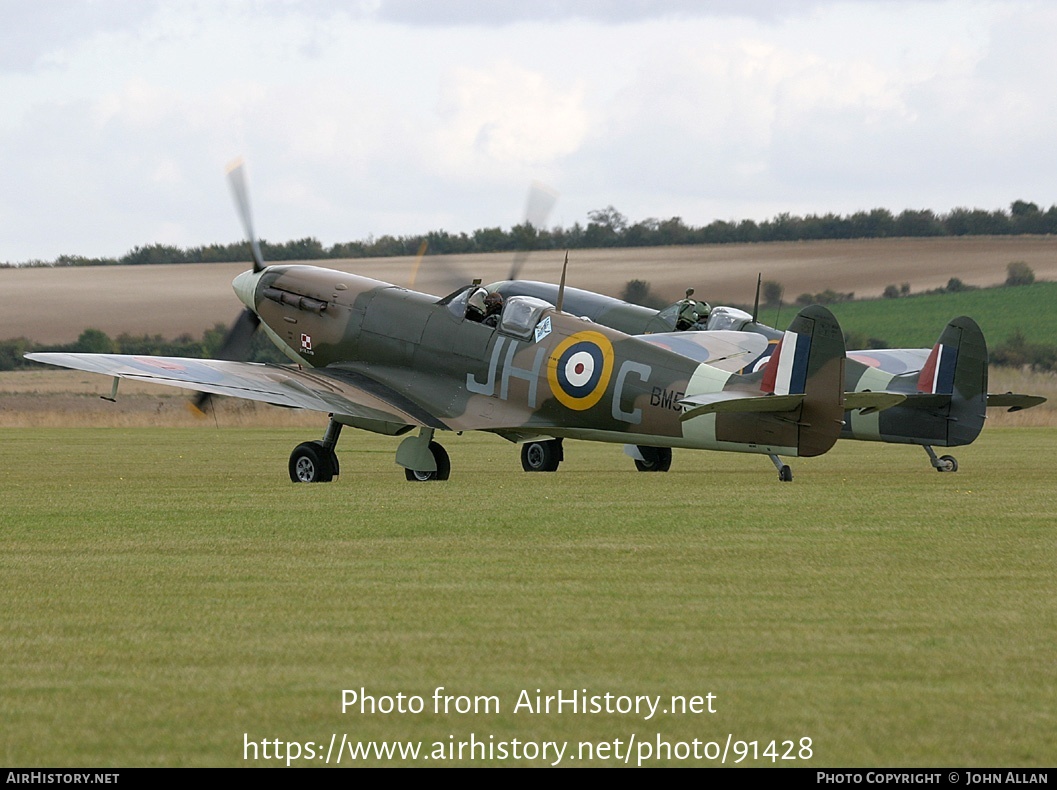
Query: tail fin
[
  {"x": 808, "y": 361},
  {"x": 957, "y": 366},
  {"x": 822, "y": 415}
]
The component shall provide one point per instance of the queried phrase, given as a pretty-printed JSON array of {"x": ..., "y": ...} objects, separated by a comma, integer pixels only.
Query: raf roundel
[{"x": 579, "y": 369}]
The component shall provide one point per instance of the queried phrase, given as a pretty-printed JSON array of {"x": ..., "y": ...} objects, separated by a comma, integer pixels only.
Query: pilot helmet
[
  {"x": 476, "y": 301},
  {"x": 494, "y": 301}
]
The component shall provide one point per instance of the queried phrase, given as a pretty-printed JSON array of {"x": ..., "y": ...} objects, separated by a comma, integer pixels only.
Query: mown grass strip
[{"x": 168, "y": 592}]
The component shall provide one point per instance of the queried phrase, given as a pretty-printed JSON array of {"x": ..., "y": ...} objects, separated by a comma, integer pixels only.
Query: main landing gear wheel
[
  {"x": 542, "y": 456},
  {"x": 440, "y": 455},
  {"x": 654, "y": 459},
  {"x": 311, "y": 462}
]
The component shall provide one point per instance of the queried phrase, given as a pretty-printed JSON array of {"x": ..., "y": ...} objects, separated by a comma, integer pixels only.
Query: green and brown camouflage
[
  {"x": 388, "y": 359},
  {"x": 944, "y": 389},
  {"x": 456, "y": 374},
  {"x": 383, "y": 358}
]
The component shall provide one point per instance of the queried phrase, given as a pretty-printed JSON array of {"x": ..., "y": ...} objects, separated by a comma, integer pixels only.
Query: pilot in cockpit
[
  {"x": 693, "y": 314},
  {"x": 493, "y": 307},
  {"x": 476, "y": 307}
]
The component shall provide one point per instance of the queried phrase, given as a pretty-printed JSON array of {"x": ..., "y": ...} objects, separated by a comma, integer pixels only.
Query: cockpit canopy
[
  {"x": 728, "y": 318},
  {"x": 667, "y": 320},
  {"x": 521, "y": 314}
]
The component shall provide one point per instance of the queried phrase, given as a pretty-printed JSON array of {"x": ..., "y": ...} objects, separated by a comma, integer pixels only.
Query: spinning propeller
[
  {"x": 242, "y": 202},
  {"x": 541, "y": 200},
  {"x": 237, "y": 342}
]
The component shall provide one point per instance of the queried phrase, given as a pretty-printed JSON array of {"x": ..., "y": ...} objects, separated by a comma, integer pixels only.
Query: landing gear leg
[
  {"x": 422, "y": 458},
  {"x": 330, "y": 443},
  {"x": 785, "y": 474},
  {"x": 945, "y": 463}
]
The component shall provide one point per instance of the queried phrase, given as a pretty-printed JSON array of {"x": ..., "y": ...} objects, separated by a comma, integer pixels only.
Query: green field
[
  {"x": 916, "y": 321},
  {"x": 168, "y": 595}
]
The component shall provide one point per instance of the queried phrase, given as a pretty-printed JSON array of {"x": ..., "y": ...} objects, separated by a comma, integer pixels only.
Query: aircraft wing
[
  {"x": 317, "y": 389},
  {"x": 896, "y": 361},
  {"x": 726, "y": 350}
]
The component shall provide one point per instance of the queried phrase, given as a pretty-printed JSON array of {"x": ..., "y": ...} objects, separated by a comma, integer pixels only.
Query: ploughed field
[{"x": 55, "y": 305}]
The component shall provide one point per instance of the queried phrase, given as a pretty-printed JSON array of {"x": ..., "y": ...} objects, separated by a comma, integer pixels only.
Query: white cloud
[
  {"x": 384, "y": 118},
  {"x": 506, "y": 118}
]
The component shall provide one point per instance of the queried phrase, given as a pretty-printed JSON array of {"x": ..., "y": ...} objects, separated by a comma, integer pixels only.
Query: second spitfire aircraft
[
  {"x": 386, "y": 359},
  {"x": 944, "y": 389}
]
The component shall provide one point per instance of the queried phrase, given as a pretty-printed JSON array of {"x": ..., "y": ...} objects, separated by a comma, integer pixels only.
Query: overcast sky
[{"x": 359, "y": 119}]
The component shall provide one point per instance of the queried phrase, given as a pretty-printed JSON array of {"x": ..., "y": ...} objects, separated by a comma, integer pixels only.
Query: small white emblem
[{"x": 543, "y": 328}]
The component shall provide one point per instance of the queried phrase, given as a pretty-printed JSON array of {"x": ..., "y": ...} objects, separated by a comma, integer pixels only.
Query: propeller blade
[
  {"x": 237, "y": 179},
  {"x": 418, "y": 262},
  {"x": 237, "y": 342},
  {"x": 235, "y": 347},
  {"x": 541, "y": 199}
]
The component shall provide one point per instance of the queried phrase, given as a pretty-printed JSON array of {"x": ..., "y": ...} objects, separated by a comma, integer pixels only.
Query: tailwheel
[
  {"x": 945, "y": 463},
  {"x": 654, "y": 459},
  {"x": 542, "y": 456},
  {"x": 311, "y": 462},
  {"x": 785, "y": 473},
  {"x": 440, "y": 456}
]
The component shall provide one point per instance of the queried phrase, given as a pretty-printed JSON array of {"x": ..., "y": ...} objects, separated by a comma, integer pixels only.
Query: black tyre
[
  {"x": 311, "y": 462},
  {"x": 654, "y": 459},
  {"x": 542, "y": 456},
  {"x": 948, "y": 463},
  {"x": 440, "y": 455},
  {"x": 785, "y": 474}
]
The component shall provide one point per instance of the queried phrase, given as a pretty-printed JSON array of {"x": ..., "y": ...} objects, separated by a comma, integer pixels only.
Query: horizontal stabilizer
[
  {"x": 736, "y": 402},
  {"x": 870, "y": 402},
  {"x": 1013, "y": 401}
]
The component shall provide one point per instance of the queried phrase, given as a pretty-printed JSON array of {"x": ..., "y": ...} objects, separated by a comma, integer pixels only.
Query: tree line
[
  {"x": 96, "y": 341},
  {"x": 609, "y": 228}
]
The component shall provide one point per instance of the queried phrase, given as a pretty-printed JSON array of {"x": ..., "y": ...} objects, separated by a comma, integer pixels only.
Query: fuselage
[
  {"x": 539, "y": 373},
  {"x": 949, "y": 421}
]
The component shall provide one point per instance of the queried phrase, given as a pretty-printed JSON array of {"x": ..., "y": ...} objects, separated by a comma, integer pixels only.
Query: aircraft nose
[{"x": 245, "y": 286}]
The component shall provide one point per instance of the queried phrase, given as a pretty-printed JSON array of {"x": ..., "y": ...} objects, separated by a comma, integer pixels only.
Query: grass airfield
[{"x": 169, "y": 594}]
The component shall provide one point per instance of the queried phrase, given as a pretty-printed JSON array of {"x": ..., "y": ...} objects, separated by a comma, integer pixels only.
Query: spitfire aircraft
[
  {"x": 944, "y": 389},
  {"x": 383, "y": 358}
]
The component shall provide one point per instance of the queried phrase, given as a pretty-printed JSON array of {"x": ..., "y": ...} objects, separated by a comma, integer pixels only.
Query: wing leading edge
[{"x": 318, "y": 389}]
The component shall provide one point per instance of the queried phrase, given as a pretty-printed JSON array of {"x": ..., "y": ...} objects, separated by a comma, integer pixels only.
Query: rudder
[
  {"x": 957, "y": 366},
  {"x": 808, "y": 360},
  {"x": 822, "y": 415}
]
